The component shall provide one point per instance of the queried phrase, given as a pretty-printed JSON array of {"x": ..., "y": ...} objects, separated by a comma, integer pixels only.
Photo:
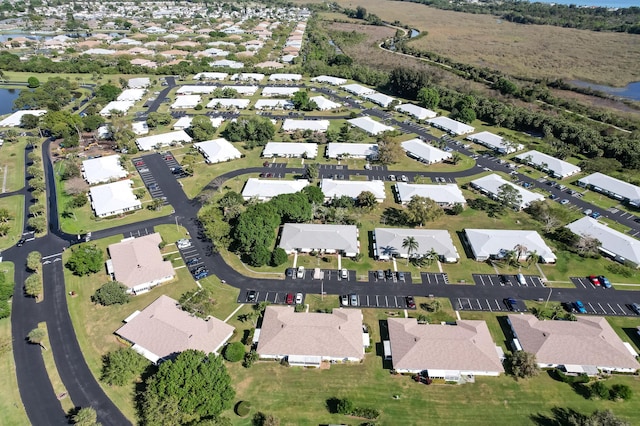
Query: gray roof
[
  {"x": 442, "y": 194},
  {"x": 139, "y": 261},
  {"x": 611, "y": 241},
  {"x": 351, "y": 188},
  {"x": 318, "y": 236},
  {"x": 269, "y": 188},
  {"x": 424, "y": 151},
  {"x": 491, "y": 242},
  {"x": 492, "y": 183},
  {"x": 389, "y": 242},
  {"x": 614, "y": 186},
  {"x": 558, "y": 167}
]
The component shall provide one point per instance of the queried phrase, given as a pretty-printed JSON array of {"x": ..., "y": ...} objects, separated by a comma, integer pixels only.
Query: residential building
[
  {"x": 324, "y": 104},
  {"x": 416, "y": 111},
  {"x": 612, "y": 187},
  {"x": 113, "y": 198},
  {"x": 370, "y": 126},
  {"x": 445, "y": 195},
  {"x": 164, "y": 139},
  {"x": 219, "y": 103},
  {"x": 423, "y": 152},
  {"x": 273, "y": 104},
  {"x": 450, "y": 126},
  {"x": 334, "y": 81},
  {"x": 495, "y": 142},
  {"x": 285, "y": 77},
  {"x": 497, "y": 243},
  {"x": 14, "y": 119},
  {"x": 218, "y": 150},
  {"x": 490, "y": 185},
  {"x": 290, "y": 125},
  {"x": 352, "y": 150},
  {"x": 357, "y": 89},
  {"x": 290, "y": 150},
  {"x": 557, "y": 168},
  {"x": 103, "y": 169},
  {"x": 186, "y": 102},
  {"x": 615, "y": 244},
  {"x": 266, "y": 189},
  {"x": 388, "y": 243},
  {"x": 379, "y": 99},
  {"x": 139, "y": 83},
  {"x": 305, "y": 238},
  {"x": 286, "y": 91},
  {"x": 352, "y": 188},
  {"x": 119, "y": 106}
]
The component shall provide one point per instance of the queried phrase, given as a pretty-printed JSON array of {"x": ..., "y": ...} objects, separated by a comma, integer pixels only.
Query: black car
[
  {"x": 21, "y": 241},
  {"x": 193, "y": 261},
  {"x": 379, "y": 274},
  {"x": 568, "y": 306},
  {"x": 410, "y": 302},
  {"x": 388, "y": 274},
  {"x": 290, "y": 272},
  {"x": 251, "y": 296},
  {"x": 513, "y": 305}
]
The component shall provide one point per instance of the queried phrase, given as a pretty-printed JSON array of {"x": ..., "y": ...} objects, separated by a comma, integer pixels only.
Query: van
[{"x": 521, "y": 279}]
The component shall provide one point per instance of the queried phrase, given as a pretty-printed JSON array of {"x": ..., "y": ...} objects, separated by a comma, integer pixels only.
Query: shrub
[
  {"x": 111, "y": 293},
  {"x": 243, "y": 408},
  {"x": 344, "y": 406},
  {"x": 279, "y": 257},
  {"x": 234, "y": 352},
  {"x": 599, "y": 390},
  {"x": 299, "y": 308},
  {"x": 249, "y": 358},
  {"x": 620, "y": 392},
  {"x": 560, "y": 375},
  {"x": 367, "y": 413}
]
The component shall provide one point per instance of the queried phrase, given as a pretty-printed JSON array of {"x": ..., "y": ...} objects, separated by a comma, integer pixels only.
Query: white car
[
  {"x": 344, "y": 274},
  {"x": 344, "y": 300},
  {"x": 182, "y": 244},
  {"x": 354, "y": 299},
  {"x": 300, "y": 272},
  {"x": 298, "y": 298}
]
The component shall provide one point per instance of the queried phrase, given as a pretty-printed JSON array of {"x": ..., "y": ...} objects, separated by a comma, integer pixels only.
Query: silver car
[{"x": 354, "y": 299}]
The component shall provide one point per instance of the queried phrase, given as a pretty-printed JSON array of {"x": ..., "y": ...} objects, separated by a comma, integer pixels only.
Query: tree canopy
[
  {"x": 420, "y": 210},
  {"x": 111, "y": 293},
  {"x": 85, "y": 259}
]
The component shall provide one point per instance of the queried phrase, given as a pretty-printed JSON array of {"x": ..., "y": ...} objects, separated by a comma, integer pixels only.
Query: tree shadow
[
  {"x": 394, "y": 216},
  {"x": 559, "y": 417},
  {"x": 332, "y": 405}
]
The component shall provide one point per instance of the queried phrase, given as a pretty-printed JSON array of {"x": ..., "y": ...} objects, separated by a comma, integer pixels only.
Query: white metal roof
[
  {"x": 103, "y": 169},
  {"x": 494, "y": 242},
  {"x": 184, "y": 122},
  {"x": 315, "y": 125},
  {"x": 163, "y": 139},
  {"x": 140, "y": 127},
  {"x": 336, "y": 81},
  {"x": 227, "y": 63},
  {"x": 226, "y": 103},
  {"x": 351, "y": 188},
  {"x": 379, "y": 98},
  {"x": 195, "y": 90},
  {"x": 450, "y": 125},
  {"x": 285, "y": 77},
  {"x": 113, "y": 197},
  {"x": 273, "y": 103},
  {"x": 613, "y": 186},
  {"x": 425, "y": 152},
  {"x": 492, "y": 183},
  {"x": 131, "y": 95},
  {"x": 218, "y": 150},
  {"x": 611, "y": 241},
  {"x": 265, "y": 189},
  {"x": 558, "y": 167},
  {"x": 389, "y": 242},
  {"x": 14, "y": 119},
  {"x": 319, "y": 236},
  {"x": 361, "y": 150},
  {"x": 122, "y": 106},
  {"x": 279, "y": 91},
  {"x": 139, "y": 82},
  {"x": 248, "y": 76},
  {"x": 369, "y": 125},
  {"x": 290, "y": 149},
  {"x": 324, "y": 104},
  {"x": 186, "y": 101},
  {"x": 416, "y": 111},
  {"x": 210, "y": 76},
  {"x": 494, "y": 142},
  {"x": 441, "y": 194},
  {"x": 357, "y": 89}
]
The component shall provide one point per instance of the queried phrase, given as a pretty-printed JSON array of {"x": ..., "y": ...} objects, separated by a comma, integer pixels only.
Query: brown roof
[
  {"x": 588, "y": 341},
  {"x": 467, "y": 346},
  {"x": 138, "y": 261},
  {"x": 163, "y": 329},
  {"x": 336, "y": 335}
]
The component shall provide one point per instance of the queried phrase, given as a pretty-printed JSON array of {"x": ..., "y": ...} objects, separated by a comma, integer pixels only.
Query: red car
[
  {"x": 168, "y": 157},
  {"x": 139, "y": 163},
  {"x": 594, "y": 280},
  {"x": 266, "y": 164},
  {"x": 289, "y": 298}
]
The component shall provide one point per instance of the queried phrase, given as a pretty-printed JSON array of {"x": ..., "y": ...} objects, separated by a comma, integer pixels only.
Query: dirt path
[{"x": 4, "y": 179}]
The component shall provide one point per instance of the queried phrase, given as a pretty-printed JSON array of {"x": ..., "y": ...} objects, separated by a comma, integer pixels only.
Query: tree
[
  {"x": 71, "y": 170},
  {"x": 85, "y": 259},
  {"x": 108, "y": 92},
  {"x": 5, "y": 216},
  {"x": 509, "y": 196},
  {"x": 86, "y": 416},
  {"x": 111, "y": 293},
  {"x": 389, "y": 150},
  {"x": 314, "y": 194},
  {"x": 192, "y": 387},
  {"x": 234, "y": 352},
  {"x": 345, "y": 406},
  {"x": 76, "y": 186},
  {"x": 279, "y": 257},
  {"x": 420, "y": 210},
  {"x": 33, "y": 82},
  {"x": 412, "y": 245},
  {"x": 587, "y": 245},
  {"x": 262, "y": 419},
  {"x": 34, "y": 261},
  {"x": 91, "y": 122},
  {"x": 201, "y": 128},
  {"x": 4, "y": 229},
  {"x": 38, "y": 224},
  {"x": 156, "y": 204},
  {"x": 29, "y": 121},
  {"x": 259, "y": 256},
  {"x": 311, "y": 171},
  {"x": 155, "y": 119},
  {"x": 37, "y": 336},
  {"x": 33, "y": 285},
  {"x": 428, "y": 97},
  {"x": 599, "y": 390},
  {"x": 455, "y": 157},
  {"x": 456, "y": 209},
  {"x": 366, "y": 200},
  {"x": 523, "y": 364},
  {"x": 122, "y": 366},
  {"x": 621, "y": 392}
]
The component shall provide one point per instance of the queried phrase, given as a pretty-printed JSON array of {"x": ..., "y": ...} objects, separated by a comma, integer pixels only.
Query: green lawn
[
  {"x": 15, "y": 205},
  {"x": 12, "y": 165},
  {"x": 52, "y": 372}
]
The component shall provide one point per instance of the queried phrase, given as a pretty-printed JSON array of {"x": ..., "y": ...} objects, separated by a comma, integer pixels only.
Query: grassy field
[
  {"x": 12, "y": 166},
  {"x": 524, "y": 50},
  {"x": 15, "y": 206}
]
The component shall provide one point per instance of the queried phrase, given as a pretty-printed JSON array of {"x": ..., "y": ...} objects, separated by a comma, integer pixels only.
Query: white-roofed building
[
  {"x": 139, "y": 83},
  {"x": 285, "y": 77},
  {"x": 423, "y": 152},
  {"x": 305, "y": 238},
  {"x": 450, "y": 126},
  {"x": 497, "y": 243},
  {"x": 218, "y": 150},
  {"x": 416, "y": 111},
  {"x": 490, "y": 186},
  {"x": 219, "y": 103},
  {"x": 113, "y": 198},
  {"x": 352, "y": 150},
  {"x": 614, "y": 188},
  {"x": 309, "y": 338},
  {"x": 370, "y": 126},
  {"x": 244, "y": 90},
  {"x": 162, "y": 330},
  {"x": 291, "y": 125},
  {"x": 196, "y": 90},
  {"x": 379, "y": 99},
  {"x": 164, "y": 139},
  {"x": 279, "y": 91},
  {"x": 99, "y": 51},
  {"x": 184, "y": 122},
  {"x": 121, "y": 106},
  {"x": 446, "y": 351},
  {"x": 613, "y": 243},
  {"x": 103, "y": 169},
  {"x": 14, "y": 119},
  {"x": 445, "y": 195},
  {"x": 131, "y": 95},
  {"x": 210, "y": 76},
  {"x": 226, "y": 63},
  {"x": 186, "y": 102},
  {"x": 248, "y": 76},
  {"x": 334, "y": 81},
  {"x": 290, "y": 150},
  {"x": 140, "y": 127},
  {"x": 273, "y": 104},
  {"x": 556, "y": 167},
  {"x": 324, "y": 104},
  {"x": 388, "y": 243},
  {"x": 266, "y": 189},
  {"x": 495, "y": 142},
  {"x": 351, "y": 188},
  {"x": 357, "y": 89}
]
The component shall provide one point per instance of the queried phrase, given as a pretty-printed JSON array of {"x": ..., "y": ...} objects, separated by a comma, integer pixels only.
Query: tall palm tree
[
  {"x": 431, "y": 256},
  {"x": 520, "y": 250},
  {"x": 411, "y": 244},
  {"x": 532, "y": 258}
]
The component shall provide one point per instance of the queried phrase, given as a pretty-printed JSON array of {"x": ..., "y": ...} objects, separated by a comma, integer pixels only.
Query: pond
[
  {"x": 7, "y": 97},
  {"x": 631, "y": 91}
]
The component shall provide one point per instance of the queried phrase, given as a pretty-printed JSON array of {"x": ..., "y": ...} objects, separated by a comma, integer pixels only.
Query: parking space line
[
  {"x": 479, "y": 305},
  {"x": 592, "y": 308},
  {"x": 603, "y": 310},
  {"x": 612, "y": 310},
  {"x": 498, "y": 305},
  {"x": 488, "y": 305},
  {"x": 386, "y": 301},
  {"x": 459, "y": 303},
  {"x": 622, "y": 310}
]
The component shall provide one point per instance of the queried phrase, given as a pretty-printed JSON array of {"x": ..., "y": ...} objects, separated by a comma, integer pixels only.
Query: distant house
[
  {"x": 290, "y": 125},
  {"x": 305, "y": 238},
  {"x": 588, "y": 345},
  {"x": 324, "y": 104},
  {"x": 196, "y": 90},
  {"x": 164, "y": 139},
  {"x": 445, "y": 195},
  {"x": 266, "y": 189},
  {"x": 450, "y": 126},
  {"x": 416, "y": 111},
  {"x": 352, "y": 188},
  {"x": 290, "y": 150},
  {"x": 186, "y": 102},
  {"x": 335, "y": 81},
  {"x": 139, "y": 83},
  {"x": 273, "y": 104},
  {"x": 557, "y": 168},
  {"x": 309, "y": 338},
  {"x": 162, "y": 330},
  {"x": 218, "y": 150},
  {"x": 615, "y": 244},
  {"x": 369, "y": 125},
  {"x": 496, "y": 243},
  {"x": 494, "y": 142},
  {"x": 357, "y": 89},
  {"x": 285, "y": 77},
  {"x": 120, "y": 106},
  {"x": 424, "y": 152},
  {"x": 388, "y": 243},
  {"x": 352, "y": 150},
  {"x": 443, "y": 351},
  {"x": 138, "y": 263},
  {"x": 612, "y": 187},
  {"x": 379, "y": 99},
  {"x": 103, "y": 169},
  {"x": 14, "y": 119},
  {"x": 271, "y": 91},
  {"x": 131, "y": 95},
  {"x": 490, "y": 185},
  {"x": 210, "y": 76},
  {"x": 114, "y": 198},
  {"x": 228, "y": 103}
]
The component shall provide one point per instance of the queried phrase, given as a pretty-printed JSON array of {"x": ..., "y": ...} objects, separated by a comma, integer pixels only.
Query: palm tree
[
  {"x": 520, "y": 250},
  {"x": 532, "y": 258},
  {"x": 411, "y": 244}
]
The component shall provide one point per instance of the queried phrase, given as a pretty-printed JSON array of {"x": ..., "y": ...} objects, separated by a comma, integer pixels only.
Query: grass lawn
[
  {"x": 15, "y": 205},
  {"x": 572, "y": 265},
  {"x": 12, "y": 165},
  {"x": 52, "y": 372}
]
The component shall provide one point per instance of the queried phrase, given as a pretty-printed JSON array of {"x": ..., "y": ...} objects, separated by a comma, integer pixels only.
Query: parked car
[
  {"x": 251, "y": 296},
  {"x": 595, "y": 215},
  {"x": 513, "y": 305},
  {"x": 400, "y": 276},
  {"x": 193, "y": 261},
  {"x": 21, "y": 242},
  {"x": 266, "y": 164},
  {"x": 388, "y": 274},
  {"x": 290, "y": 272},
  {"x": 354, "y": 299},
  {"x": 344, "y": 274},
  {"x": 594, "y": 280},
  {"x": 380, "y": 274},
  {"x": 344, "y": 300},
  {"x": 410, "y": 302},
  {"x": 568, "y": 306},
  {"x": 553, "y": 197},
  {"x": 588, "y": 212},
  {"x": 392, "y": 178},
  {"x": 300, "y": 272},
  {"x": 404, "y": 178},
  {"x": 289, "y": 299},
  {"x": 202, "y": 275},
  {"x": 183, "y": 243},
  {"x": 139, "y": 163},
  {"x": 635, "y": 307},
  {"x": 564, "y": 201},
  {"x": 604, "y": 281},
  {"x": 298, "y": 298},
  {"x": 580, "y": 307}
]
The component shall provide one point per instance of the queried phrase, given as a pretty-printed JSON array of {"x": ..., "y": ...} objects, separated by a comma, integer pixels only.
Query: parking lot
[
  {"x": 391, "y": 277},
  {"x": 507, "y": 280},
  {"x": 434, "y": 279},
  {"x": 173, "y": 165},
  {"x": 324, "y": 274},
  {"x": 148, "y": 179},
  {"x": 498, "y": 305},
  {"x": 383, "y": 301},
  {"x": 192, "y": 259},
  {"x": 273, "y": 297},
  {"x": 582, "y": 282}
]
